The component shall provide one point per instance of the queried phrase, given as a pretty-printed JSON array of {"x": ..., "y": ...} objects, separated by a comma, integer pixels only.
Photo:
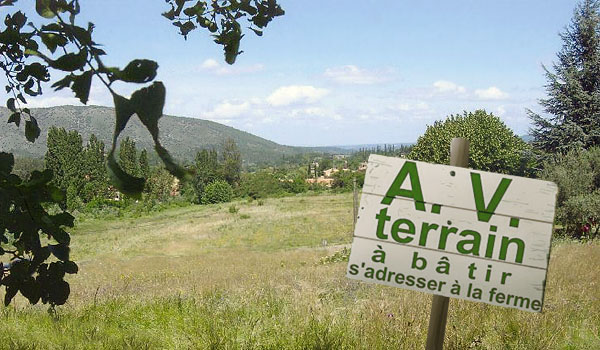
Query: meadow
[{"x": 270, "y": 274}]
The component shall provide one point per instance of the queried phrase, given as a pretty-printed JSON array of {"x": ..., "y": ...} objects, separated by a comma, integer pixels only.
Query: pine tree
[
  {"x": 144, "y": 166},
  {"x": 573, "y": 88},
  {"x": 128, "y": 157}
]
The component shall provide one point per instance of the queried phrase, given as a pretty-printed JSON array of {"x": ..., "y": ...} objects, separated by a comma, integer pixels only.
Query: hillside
[{"x": 183, "y": 137}]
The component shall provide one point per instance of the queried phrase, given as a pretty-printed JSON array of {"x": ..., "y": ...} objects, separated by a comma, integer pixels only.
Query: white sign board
[{"x": 455, "y": 232}]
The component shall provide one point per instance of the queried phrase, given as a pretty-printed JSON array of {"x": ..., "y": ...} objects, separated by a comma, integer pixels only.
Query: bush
[
  {"x": 577, "y": 175},
  {"x": 260, "y": 184},
  {"x": 344, "y": 180},
  {"x": 233, "y": 209},
  {"x": 217, "y": 192},
  {"x": 493, "y": 146}
]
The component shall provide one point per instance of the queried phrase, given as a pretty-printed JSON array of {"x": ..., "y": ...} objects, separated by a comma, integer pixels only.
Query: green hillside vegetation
[
  {"x": 183, "y": 137},
  {"x": 272, "y": 276}
]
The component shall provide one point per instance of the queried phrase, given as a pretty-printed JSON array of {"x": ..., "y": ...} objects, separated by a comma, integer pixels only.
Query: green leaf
[
  {"x": 60, "y": 251},
  {"x": 11, "y": 291},
  {"x": 82, "y": 85},
  {"x": 148, "y": 103},
  {"x": 15, "y": 118},
  {"x": 130, "y": 185},
  {"x": 30, "y": 289},
  {"x": 138, "y": 71},
  {"x": 32, "y": 130},
  {"x": 7, "y": 161},
  {"x": 125, "y": 183},
  {"x": 71, "y": 267},
  {"x": 257, "y": 31},
  {"x": 70, "y": 62},
  {"x": 52, "y": 41},
  {"x": 59, "y": 293},
  {"x": 10, "y": 104},
  {"x": 64, "y": 82},
  {"x": 43, "y": 8}
]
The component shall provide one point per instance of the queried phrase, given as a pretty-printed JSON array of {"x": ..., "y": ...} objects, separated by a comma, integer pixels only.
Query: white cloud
[
  {"x": 318, "y": 112},
  {"x": 491, "y": 93},
  {"x": 445, "y": 86},
  {"x": 287, "y": 95},
  {"x": 410, "y": 106},
  {"x": 228, "y": 110},
  {"x": 209, "y": 64},
  {"x": 215, "y": 67},
  {"x": 351, "y": 74}
]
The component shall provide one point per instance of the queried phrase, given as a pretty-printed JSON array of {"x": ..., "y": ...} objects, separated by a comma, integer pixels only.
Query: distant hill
[{"x": 183, "y": 137}]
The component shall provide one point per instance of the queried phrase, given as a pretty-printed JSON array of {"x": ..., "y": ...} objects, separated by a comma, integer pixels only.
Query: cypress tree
[{"x": 573, "y": 88}]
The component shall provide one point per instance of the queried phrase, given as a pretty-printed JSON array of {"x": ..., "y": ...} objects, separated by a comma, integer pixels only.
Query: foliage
[
  {"x": 70, "y": 48},
  {"x": 232, "y": 162},
  {"x": 217, "y": 192},
  {"x": 64, "y": 158},
  {"x": 233, "y": 209},
  {"x": 573, "y": 102},
  {"x": 492, "y": 145},
  {"x": 207, "y": 170},
  {"x": 259, "y": 184},
  {"x": 577, "y": 174},
  {"x": 160, "y": 184},
  {"x": 144, "y": 166},
  {"x": 128, "y": 159},
  {"x": 23, "y": 220},
  {"x": 344, "y": 180}
]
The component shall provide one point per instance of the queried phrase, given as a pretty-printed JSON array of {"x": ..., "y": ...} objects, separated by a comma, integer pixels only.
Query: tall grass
[{"x": 205, "y": 278}]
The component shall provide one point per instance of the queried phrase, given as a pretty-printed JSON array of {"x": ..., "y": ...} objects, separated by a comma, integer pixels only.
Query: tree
[
  {"x": 207, "y": 170},
  {"x": 493, "y": 146},
  {"x": 232, "y": 162},
  {"x": 27, "y": 53},
  {"x": 144, "y": 166},
  {"x": 95, "y": 174},
  {"x": 63, "y": 157},
  {"x": 573, "y": 102},
  {"x": 128, "y": 159}
]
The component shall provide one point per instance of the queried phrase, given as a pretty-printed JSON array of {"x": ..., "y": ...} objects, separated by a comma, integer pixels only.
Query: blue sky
[{"x": 334, "y": 72}]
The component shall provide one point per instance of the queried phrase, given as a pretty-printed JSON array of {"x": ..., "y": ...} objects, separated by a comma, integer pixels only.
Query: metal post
[{"x": 459, "y": 156}]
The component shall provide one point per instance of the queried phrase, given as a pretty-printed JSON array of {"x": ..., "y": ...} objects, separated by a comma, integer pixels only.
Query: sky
[{"x": 340, "y": 72}]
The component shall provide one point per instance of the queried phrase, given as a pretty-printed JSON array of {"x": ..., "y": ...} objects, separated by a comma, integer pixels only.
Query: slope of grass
[{"x": 205, "y": 278}]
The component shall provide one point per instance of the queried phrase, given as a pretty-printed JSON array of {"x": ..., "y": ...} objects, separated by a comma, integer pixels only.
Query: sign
[{"x": 454, "y": 232}]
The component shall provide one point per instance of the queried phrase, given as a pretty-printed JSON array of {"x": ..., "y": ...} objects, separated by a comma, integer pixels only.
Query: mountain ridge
[{"x": 182, "y": 136}]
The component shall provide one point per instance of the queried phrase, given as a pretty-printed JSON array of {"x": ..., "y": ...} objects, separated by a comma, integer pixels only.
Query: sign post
[
  {"x": 459, "y": 156},
  {"x": 453, "y": 232}
]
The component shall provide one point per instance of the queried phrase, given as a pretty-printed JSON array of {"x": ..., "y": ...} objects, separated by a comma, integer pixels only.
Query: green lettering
[
  {"x": 410, "y": 229},
  {"x": 425, "y": 228},
  {"x": 474, "y": 243},
  {"x": 382, "y": 217},
  {"x": 504, "y": 248},
  {"x": 408, "y": 169},
  {"x": 484, "y": 213}
]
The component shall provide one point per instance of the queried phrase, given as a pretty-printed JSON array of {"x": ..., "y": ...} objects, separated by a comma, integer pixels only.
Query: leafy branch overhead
[
  {"x": 30, "y": 54},
  {"x": 222, "y": 19}
]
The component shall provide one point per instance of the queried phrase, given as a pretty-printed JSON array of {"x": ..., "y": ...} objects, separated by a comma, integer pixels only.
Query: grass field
[{"x": 202, "y": 277}]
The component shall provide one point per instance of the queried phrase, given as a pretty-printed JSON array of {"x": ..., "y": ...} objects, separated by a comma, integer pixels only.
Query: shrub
[
  {"x": 577, "y": 175},
  {"x": 217, "y": 192},
  {"x": 233, "y": 209}
]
